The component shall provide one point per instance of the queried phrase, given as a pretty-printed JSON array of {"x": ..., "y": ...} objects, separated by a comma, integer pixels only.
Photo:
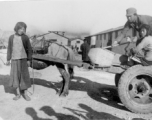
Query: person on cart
[
  {"x": 133, "y": 23},
  {"x": 143, "y": 49}
]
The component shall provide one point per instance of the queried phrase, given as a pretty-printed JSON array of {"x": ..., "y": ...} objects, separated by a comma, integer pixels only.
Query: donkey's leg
[
  {"x": 71, "y": 72},
  {"x": 66, "y": 79},
  {"x": 59, "y": 92}
]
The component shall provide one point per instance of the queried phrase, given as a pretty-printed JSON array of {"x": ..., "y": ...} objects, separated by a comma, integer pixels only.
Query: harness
[{"x": 60, "y": 47}]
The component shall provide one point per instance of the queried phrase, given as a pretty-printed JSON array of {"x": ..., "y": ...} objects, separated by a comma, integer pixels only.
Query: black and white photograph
[{"x": 76, "y": 59}]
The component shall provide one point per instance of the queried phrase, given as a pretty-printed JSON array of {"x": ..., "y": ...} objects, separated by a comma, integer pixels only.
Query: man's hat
[{"x": 131, "y": 11}]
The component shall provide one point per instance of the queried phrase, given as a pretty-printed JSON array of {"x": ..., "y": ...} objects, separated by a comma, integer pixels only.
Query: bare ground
[{"x": 92, "y": 96}]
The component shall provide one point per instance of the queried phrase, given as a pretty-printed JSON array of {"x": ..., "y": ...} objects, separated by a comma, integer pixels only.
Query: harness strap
[{"x": 60, "y": 47}]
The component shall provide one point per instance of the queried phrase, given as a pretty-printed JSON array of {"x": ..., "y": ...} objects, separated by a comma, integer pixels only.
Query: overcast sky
[{"x": 75, "y": 16}]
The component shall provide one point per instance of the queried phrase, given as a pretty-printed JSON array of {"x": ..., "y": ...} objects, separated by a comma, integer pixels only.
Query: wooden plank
[{"x": 52, "y": 59}]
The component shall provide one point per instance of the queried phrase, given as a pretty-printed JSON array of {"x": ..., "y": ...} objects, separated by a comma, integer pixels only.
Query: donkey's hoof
[
  {"x": 58, "y": 92},
  {"x": 64, "y": 94}
]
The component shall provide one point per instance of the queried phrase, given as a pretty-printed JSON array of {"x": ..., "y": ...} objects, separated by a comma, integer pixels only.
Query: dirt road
[{"x": 92, "y": 96}]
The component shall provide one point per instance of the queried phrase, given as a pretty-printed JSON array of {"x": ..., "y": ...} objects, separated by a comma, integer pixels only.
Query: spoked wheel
[{"x": 135, "y": 89}]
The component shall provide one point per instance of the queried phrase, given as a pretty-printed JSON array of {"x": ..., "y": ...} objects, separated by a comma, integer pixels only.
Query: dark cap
[{"x": 131, "y": 11}]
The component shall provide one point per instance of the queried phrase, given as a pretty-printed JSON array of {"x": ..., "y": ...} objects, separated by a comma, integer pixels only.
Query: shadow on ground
[
  {"x": 90, "y": 114},
  {"x": 4, "y": 80},
  {"x": 44, "y": 83},
  {"x": 103, "y": 93},
  {"x": 31, "y": 111},
  {"x": 87, "y": 113},
  {"x": 50, "y": 112}
]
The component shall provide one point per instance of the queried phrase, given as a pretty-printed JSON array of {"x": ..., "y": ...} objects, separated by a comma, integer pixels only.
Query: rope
[
  {"x": 33, "y": 80},
  {"x": 33, "y": 76},
  {"x": 58, "y": 49}
]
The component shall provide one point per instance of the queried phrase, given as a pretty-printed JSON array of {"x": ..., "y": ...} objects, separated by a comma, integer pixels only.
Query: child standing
[{"x": 19, "y": 52}]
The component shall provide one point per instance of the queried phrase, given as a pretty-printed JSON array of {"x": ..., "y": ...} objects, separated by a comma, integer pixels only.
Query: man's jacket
[{"x": 141, "y": 19}]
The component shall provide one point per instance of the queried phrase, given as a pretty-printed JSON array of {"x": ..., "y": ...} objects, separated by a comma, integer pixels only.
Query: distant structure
[
  {"x": 58, "y": 36},
  {"x": 107, "y": 37},
  {"x": 77, "y": 43}
]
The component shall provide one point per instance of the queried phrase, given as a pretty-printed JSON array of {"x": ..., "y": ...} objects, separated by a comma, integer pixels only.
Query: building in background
[
  {"x": 42, "y": 41},
  {"x": 107, "y": 37},
  {"x": 59, "y": 36},
  {"x": 77, "y": 43}
]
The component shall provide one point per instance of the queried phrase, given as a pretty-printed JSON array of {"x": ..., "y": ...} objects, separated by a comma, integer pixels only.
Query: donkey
[{"x": 62, "y": 52}]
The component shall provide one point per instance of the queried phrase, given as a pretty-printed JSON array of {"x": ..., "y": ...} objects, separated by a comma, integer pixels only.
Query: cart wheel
[{"x": 135, "y": 89}]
